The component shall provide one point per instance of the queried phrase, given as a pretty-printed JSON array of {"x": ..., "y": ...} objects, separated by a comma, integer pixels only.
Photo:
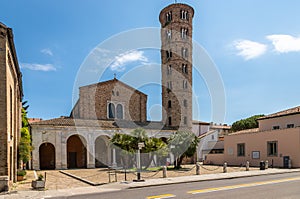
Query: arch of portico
[
  {"x": 76, "y": 152},
  {"x": 47, "y": 156},
  {"x": 102, "y": 151}
]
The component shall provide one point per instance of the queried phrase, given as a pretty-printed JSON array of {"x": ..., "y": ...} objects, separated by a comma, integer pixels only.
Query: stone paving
[{"x": 56, "y": 180}]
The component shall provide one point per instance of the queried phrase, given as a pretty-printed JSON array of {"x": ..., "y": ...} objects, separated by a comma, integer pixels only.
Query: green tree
[
  {"x": 129, "y": 145},
  {"x": 183, "y": 144},
  {"x": 248, "y": 123},
  {"x": 25, "y": 147}
]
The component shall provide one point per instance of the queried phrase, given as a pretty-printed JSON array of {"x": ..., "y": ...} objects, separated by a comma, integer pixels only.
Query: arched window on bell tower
[{"x": 169, "y": 104}]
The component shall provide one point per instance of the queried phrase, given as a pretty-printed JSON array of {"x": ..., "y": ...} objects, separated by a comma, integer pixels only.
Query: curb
[
  {"x": 212, "y": 179},
  {"x": 81, "y": 179}
]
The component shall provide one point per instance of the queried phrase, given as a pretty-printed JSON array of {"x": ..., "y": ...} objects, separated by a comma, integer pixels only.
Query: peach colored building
[{"x": 277, "y": 140}]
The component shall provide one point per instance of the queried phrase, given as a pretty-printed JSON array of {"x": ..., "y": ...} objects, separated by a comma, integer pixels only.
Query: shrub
[
  {"x": 21, "y": 172},
  {"x": 40, "y": 177}
]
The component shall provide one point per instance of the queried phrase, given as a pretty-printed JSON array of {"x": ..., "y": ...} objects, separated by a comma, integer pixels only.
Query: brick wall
[
  {"x": 94, "y": 99},
  {"x": 10, "y": 105}
]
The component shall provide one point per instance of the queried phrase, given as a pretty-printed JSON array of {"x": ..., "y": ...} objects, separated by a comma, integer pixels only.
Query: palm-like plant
[{"x": 129, "y": 145}]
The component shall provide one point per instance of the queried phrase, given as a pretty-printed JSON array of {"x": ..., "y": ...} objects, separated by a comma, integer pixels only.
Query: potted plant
[
  {"x": 21, "y": 174},
  {"x": 39, "y": 183}
]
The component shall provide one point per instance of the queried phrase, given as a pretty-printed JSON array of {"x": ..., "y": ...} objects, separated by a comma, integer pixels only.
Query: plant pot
[
  {"x": 38, "y": 184},
  {"x": 20, "y": 178}
]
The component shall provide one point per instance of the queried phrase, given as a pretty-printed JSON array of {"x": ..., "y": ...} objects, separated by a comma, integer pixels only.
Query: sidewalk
[{"x": 150, "y": 182}]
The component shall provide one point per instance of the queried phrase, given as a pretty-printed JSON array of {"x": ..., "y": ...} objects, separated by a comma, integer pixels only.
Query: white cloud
[
  {"x": 250, "y": 49},
  {"x": 285, "y": 43},
  {"x": 47, "y": 51},
  {"x": 125, "y": 58},
  {"x": 38, "y": 67}
]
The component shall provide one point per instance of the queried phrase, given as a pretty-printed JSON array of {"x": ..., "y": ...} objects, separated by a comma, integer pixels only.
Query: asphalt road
[{"x": 270, "y": 186}]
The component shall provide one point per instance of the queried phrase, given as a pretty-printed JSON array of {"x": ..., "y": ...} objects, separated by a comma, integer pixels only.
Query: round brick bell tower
[{"x": 176, "y": 68}]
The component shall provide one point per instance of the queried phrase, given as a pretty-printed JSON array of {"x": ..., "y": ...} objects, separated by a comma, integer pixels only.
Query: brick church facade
[{"x": 106, "y": 108}]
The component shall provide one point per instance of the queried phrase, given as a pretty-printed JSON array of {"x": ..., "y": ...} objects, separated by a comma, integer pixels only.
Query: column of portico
[
  {"x": 90, "y": 151},
  {"x": 36, "y": 157},
  {"x": 63, "y": 155},
  {"x": 114, "y": 160},
  {"x": 58, "y": 148}
]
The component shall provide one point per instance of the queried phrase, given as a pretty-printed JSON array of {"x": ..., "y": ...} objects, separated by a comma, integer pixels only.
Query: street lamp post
[{"x": 140, "y": 146}]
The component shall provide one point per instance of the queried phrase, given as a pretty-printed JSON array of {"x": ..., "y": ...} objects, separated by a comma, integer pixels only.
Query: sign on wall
[{"x": 255, "y": 154}]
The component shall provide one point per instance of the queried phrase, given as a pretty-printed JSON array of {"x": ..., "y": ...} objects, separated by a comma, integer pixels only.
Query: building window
[
  {"x": 241, "y": 149},
  {"x": 111, "y": 111},
  {"x": 184, "y": 52},
  {"x": 169, "y": 16},
  {"x": 113, "y": 93},
  {"x": 276, "y": 127},
  {"x": 184, "y": 15},
  {"x": 184, "y": 84},
  {"x": 184, "y": 33},
  {"x": 119, "y": 111},
  {"x": 184, "y": 68},
  {"x": 170, "y": 121},
  {"x": 185, "y": 103},
  {"x": 213, "y": 137},
  {"x": 117, "y": 93},
  {"x": 290, "y": 126},
  {"x": 169, "y": 34},
  {"x": 169, "y": 104},
  {"x": 272, "y": 148},
  {"x": 169, "y": 71}
]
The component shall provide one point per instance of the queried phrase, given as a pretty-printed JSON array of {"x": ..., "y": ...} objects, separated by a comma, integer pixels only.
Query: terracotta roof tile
[
  {"x": 67, "y": 121},
  {"x": 291, "y": 111},
  {"x": 255, "y": 130}
]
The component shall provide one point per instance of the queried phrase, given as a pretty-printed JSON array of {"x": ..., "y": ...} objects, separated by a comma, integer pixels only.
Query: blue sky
[{"x": 254, "y": 44}]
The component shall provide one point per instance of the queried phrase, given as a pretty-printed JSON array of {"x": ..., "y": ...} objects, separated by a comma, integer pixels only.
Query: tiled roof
[
  {"x": 220, "y": 127},
  {"x": 200, "y": 122},
  {"x": 67, "y": 121},
  {"x": 255, "y": 130},
  {"x": 291, "y": 111}
]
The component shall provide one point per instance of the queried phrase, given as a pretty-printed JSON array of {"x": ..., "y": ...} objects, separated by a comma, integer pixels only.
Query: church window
[
  {"x": 184, "y": 15},
  {"x": 169, "y": 85},
  {"x": 169, "y": 72},
  {"x": 169, "y": 16},
  {"x": 113, "y": 93},
  {"x": 185, "y": 120},
  {"x": 170, "y": 121},
  {"x": 184, "y": 84},
  {"x": 111, "y": 111},
  {"x": 184, "y": 68},
  {"x": 185, "y": 103},
  {"x": 169, "y": 104},
  {"x": 169, "y": 34},
  {"x": 117, "y": 93},
  {"x": 119, "y": 111},
  {"x": 184, "y": 33},
  {"x": 169, "y": 54},
  {"x": 184, "y": 52}
]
